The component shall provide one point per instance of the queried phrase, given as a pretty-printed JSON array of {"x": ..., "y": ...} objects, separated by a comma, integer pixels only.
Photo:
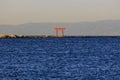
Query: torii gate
[{"x": 57, "y": 32}]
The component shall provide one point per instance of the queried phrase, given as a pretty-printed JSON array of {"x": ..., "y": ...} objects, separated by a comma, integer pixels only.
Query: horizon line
[{"x": 58, "y": 22}]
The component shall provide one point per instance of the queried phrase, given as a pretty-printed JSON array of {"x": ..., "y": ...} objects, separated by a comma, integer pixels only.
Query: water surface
[{"x": 93, "y": 58}]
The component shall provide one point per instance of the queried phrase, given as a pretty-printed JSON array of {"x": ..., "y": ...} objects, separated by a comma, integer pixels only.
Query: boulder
[
  {"x": 2, "y": 35},
  {"x": 7, "y": 36},
  {"x": 11, "y": 36}
]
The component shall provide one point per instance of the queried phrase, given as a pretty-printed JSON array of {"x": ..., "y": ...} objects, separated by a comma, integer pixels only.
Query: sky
[{"x": 53, "y": 11}]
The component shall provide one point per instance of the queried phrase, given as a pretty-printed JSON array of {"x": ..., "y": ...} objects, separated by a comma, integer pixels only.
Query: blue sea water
[{"x": 94, "y": 58}]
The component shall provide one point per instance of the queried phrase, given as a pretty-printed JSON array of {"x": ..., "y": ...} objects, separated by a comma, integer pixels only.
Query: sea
[{"x": 88, "y": 58}]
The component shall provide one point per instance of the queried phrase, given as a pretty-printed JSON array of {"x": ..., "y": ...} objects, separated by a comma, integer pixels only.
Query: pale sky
[{"x": 30, "y": 11}]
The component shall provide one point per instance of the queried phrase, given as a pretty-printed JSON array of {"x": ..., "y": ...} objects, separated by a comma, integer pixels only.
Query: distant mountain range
[{"x": 104, "y": 27}]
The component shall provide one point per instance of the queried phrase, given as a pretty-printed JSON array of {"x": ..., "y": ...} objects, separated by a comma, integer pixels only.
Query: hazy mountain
[{"x": 106, "y": 27}]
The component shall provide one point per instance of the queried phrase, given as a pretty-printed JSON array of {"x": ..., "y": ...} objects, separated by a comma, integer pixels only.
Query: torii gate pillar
[{"x": 58, "y": 31}]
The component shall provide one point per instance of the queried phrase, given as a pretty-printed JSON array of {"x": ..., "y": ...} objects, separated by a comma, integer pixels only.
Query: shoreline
[
  {"x": 51, "y": 36},
  {"x": 62, "y": 37}
]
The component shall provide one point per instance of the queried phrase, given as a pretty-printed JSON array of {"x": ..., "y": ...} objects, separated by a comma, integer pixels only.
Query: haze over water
[{"x": 40, "y": 17}]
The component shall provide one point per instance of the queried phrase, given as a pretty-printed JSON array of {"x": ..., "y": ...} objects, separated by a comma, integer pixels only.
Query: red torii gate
[{"x": 57, "y": 32}]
